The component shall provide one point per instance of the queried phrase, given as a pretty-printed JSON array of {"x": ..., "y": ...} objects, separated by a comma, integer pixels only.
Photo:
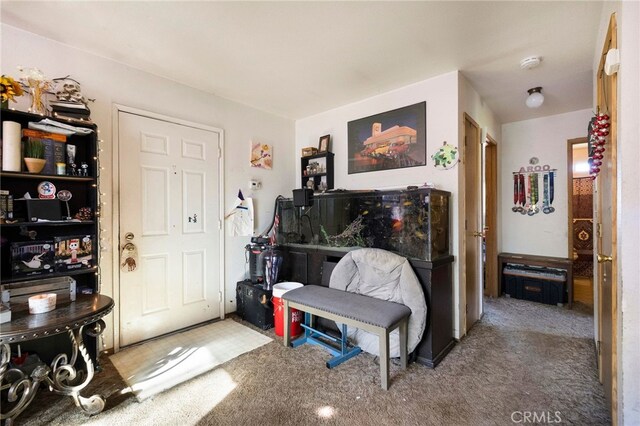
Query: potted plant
[{"x": 34, "y": 156}]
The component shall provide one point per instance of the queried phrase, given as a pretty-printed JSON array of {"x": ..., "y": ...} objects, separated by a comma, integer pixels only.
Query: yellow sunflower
[{"x": 9, "y": 89}]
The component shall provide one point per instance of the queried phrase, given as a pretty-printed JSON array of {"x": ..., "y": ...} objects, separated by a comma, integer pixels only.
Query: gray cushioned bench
[{"x": 376, "y": 316}]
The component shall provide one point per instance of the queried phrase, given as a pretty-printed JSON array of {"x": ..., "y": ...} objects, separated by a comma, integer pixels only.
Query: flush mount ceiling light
[{"x": 535, "y": 98}]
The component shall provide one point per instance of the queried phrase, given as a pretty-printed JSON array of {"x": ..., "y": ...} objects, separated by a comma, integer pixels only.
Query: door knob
[
  {"x": 602, "y": 258},
  {"x": 478, "y": 234}
]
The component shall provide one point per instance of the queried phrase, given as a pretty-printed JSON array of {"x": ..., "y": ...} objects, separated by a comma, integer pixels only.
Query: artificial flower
[{"x": 10, "y": 88}]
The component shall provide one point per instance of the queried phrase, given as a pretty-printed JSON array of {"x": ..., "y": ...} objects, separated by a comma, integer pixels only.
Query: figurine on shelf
[
  {"x": 71, "y": 160},
  {"x": 83, "y": 214},
  {"x": 84, "y": 169}
]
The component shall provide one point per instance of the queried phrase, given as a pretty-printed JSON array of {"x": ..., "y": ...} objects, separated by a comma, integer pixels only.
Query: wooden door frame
[
  {"x": 570, "y": 144},
  {"x": 115, "y": 222},
  {"x": 610, "y": 42},
  {"x": 490, "y": 182},
  {"x": 477, "y": 170}
]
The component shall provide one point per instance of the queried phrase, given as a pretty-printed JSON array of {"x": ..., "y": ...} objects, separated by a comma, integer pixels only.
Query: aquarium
[{"x": 413, "y": 223}]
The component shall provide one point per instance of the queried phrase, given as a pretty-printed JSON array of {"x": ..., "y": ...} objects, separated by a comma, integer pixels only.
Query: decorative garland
[{"x": 598, "y": 132}]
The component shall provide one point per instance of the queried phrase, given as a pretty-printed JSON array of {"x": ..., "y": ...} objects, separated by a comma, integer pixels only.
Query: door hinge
[
  {"x": 466, "y": 308},
  {"x": 599, "y": 230},
  {"x": 220, "y": 296},
  {"x": 599, "y": 347},
  {"x": 465, "y": 224},
  {"x": 219, "y": 152},
  {"x": 219, "y": 224}
]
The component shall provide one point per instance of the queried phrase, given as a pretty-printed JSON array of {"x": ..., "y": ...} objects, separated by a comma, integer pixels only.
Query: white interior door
[{"x": 169, "y": 201}]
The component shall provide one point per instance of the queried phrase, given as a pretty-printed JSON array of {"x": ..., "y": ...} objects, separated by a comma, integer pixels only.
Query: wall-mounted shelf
[{"x": 325, "y": 159}]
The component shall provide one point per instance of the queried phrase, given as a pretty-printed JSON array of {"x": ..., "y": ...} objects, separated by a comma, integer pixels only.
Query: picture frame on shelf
[{"x": 323, "y": 143}]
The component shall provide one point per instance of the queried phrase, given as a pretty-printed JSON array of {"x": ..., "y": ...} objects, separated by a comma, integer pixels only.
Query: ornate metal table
[{"x": 62, "y": 376}]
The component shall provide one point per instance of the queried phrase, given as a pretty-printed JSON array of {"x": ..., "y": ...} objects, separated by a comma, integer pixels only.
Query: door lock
[
  {"x": 478, "y": 234},
  {"x": 602, "y": 258}
]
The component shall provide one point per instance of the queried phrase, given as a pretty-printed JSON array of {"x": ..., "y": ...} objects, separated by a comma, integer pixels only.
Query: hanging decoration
[
  {"x": 526, "y": 189},
  {"x": 598, "y": 132},
  {"x": 446, "y": 157}
]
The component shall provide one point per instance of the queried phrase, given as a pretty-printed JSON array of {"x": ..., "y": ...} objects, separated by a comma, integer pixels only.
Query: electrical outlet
[{"x": 255, "y": 184}]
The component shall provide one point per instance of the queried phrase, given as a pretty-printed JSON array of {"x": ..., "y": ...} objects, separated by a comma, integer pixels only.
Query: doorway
[
  {"x": 473, "y": 223},
  {"x": 490, "y": 217},
  {"x": 168, "y": 225},
  {"x": 580, "y": 220}
]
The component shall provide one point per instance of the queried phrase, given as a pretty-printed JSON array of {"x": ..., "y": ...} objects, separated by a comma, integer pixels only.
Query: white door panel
[{"x": 169, "y": 200}]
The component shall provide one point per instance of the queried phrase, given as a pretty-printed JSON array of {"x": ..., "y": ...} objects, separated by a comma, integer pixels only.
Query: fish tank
[{"x": 413, "y": 223}]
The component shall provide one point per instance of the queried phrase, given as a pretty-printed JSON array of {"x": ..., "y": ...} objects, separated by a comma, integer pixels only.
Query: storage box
[
  {"x": 308, "y": 151},
  {"x": 543, "y": 285},
  {"x": 16, "y": 295},
  {"x": 72, "y": 253},
  {"x": 35, "y": 209},
  {"x": 254, "y": 304},
  {"x": 32, "y": 258}
]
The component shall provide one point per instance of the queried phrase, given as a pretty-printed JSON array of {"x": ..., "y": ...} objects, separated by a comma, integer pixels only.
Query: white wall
[
  {"x": 443, "y": 124},
  {"x": 111, "y": 82},
  {"x": 545, "y": 138}
]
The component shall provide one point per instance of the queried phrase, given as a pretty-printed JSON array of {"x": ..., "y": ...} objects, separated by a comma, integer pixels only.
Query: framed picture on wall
[
  {"x": 389, "y": 140},
  {"x": 323, "y": 144}
]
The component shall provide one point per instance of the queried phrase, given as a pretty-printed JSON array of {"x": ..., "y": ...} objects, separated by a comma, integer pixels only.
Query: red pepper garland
[{"x": 599, "y": 130}]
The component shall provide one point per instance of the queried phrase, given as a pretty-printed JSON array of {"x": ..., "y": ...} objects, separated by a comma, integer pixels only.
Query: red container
[{"x": 278, "y": 310}]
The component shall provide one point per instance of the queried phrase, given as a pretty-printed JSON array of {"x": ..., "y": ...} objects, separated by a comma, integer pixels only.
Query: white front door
[{"x": 169, "y": 204}]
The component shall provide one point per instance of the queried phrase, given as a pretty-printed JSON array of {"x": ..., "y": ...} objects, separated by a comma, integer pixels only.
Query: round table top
[{"x": 86, "y": 309}]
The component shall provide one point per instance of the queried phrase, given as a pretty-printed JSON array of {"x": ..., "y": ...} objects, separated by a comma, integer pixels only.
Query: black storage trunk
[
  {"x": 543, "y": 285},
  {"x": 254, "y": 304}
]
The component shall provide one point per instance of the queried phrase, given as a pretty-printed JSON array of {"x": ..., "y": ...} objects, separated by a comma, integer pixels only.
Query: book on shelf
[
  {"x": 54, "y": 152},
  {"x": 69, "y": 106},
  {"x": 32, "y": 133},
  {"x": 71, "y": 116},
  {"x": 73, "y": 120},
  {"x": 71, "y": 113},
  {"x": 6, "y": 204}
]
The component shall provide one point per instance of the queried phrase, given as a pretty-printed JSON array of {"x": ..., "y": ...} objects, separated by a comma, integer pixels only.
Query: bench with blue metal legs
[
  {"x": 312, "y": 336},
  {"x": 376, "y": 316}
]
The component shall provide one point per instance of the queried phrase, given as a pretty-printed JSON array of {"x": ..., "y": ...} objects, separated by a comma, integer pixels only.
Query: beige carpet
[
  {"x": 161, "y": 364},
  {"x": 522, "y": 357}
]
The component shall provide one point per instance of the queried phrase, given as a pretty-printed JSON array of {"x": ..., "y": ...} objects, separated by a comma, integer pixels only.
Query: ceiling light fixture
[{"x": 535, "y": 98}]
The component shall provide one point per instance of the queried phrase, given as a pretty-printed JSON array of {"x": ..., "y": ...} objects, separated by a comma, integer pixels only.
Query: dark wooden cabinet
[
  {"x": 313, "y": 265},
  {"x": 319, "y": 177}
]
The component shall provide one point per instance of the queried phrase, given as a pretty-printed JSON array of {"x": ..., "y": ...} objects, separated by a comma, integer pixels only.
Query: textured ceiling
[{"x": 300, "y": 58}]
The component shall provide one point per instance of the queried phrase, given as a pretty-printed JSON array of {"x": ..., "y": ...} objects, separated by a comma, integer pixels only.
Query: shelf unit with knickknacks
[
  {"x": 39, "y": 240},
  {"x": 321, "y": 175}
]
